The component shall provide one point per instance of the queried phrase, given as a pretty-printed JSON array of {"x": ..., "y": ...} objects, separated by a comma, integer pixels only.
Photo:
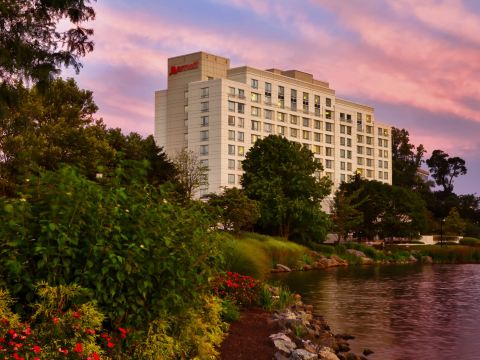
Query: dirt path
[{"x": 248, "y": 338}]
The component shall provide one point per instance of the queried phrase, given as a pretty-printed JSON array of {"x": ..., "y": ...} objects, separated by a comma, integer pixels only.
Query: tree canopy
[
  {"x": 445, "y": 168},
  {"x": 282, "y": 176}
]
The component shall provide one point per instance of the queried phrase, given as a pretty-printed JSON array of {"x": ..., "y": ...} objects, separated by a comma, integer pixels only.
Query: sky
[{"x": 416, "y": 62}]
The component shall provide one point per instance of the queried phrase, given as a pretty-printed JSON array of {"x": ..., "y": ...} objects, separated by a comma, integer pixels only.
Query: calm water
[{"x": 400, "y": 312}]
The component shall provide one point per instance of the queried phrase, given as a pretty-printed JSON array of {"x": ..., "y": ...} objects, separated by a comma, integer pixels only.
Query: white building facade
[{"x": 219, "y": 112}]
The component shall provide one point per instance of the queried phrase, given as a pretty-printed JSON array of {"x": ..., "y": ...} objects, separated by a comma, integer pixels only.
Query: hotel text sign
[{"x": 176, "y": 69}]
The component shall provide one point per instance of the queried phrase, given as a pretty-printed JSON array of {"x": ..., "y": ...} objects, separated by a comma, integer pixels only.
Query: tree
[
  {"x": 32, "y": 47},
  {"x": 444, "y": 169},
  {"x": 454, "y": 224},
  {"x": 282, "y": 176},
  {"x": 346, "y": 217},
  {"x": 236, "y": 211},
  {"x": 191, "y": 174},
  {"x": 406, "y": 159},
  {"x": 50, "y": 127}
]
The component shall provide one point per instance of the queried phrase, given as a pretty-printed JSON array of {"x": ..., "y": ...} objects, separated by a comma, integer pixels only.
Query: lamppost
[{"x": 441, "y": 231}]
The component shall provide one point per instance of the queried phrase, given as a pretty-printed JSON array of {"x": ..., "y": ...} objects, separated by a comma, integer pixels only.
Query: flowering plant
[{"x": 241, "y": 289}]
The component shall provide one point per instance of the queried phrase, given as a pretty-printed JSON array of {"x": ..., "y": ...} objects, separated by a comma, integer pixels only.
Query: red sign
[{"x": 176, "y": 69}]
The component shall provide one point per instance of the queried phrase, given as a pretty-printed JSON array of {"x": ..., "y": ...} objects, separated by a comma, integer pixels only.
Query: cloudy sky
[{"x": 416, "y": 62}]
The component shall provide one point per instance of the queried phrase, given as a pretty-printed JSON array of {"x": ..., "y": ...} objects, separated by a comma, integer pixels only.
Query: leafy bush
[
  {"x": 230, "y": 311},
  {"x": 196, "y": 334},
  {"x": 139, "y": 253},
  {"x": 275, "y": 297},
  {"x": 62, "y": 327},
  {"x": 452, "y": 253},
  {"x": 241, "y": 289}
]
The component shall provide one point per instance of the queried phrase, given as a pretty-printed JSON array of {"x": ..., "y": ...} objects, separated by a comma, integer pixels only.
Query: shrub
[
  {"x": 241, "y": 289},
  {"x": 230, "y": 311},
  {"x": 470, "y": 241},
  {"x": 196, "y": 334},
  {"x": 139, "y": 253}
]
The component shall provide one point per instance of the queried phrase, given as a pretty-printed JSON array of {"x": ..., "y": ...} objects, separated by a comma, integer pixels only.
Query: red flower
[
  {"x": 55, "y": 320},
  {"x": 36, "y": 349},
  {"x": 90, "y": 331},
  {"x": 5, "y": 320},
  {"x": 123, "y": 332},
  {"x": 63, "y": 351},
  {"x": 27, "y": 331},
  {"x": 110, "y": 344},
  {"x": 78, "y": 348},
  {"x": 76, "y": 315},
  {"x": 94, "y": 356},
  {"x": 17, "y": 357}
]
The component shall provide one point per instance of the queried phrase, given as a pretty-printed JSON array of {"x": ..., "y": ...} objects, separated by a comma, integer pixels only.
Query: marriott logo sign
[{"x": 176, "y": 69}]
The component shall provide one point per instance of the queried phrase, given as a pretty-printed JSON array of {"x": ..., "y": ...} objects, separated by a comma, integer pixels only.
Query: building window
[
  {"x": 369, "y": 140},
  {"x": 254, "y": 138},
  {"x": 380, "y": 174},
  {"x": 268, "y": 128},
  {"x": 293, "y": 99},
  {"x": 306, "y": 122},
  {"x": 380, "y": 152},
  {"x": 369, "y": 173},
  {"x": 281, "y": 116},
  {"x": 240, "y": 136},
  {"x": 203, "y": 135},
  {"x": 329, "y": 139},
  {"x": 254, "y": 83},
  {"x": 268, "y": 89},
  {"x": 328, "y": 126},
  {"x": 255, "y": 125},
  {"x": 328, "y": 151},
  {"x": 231, "y": 135},
  {"x": 368, "y": 118},
  {"x": 231, "y": 164},
  {"x": 231, "y": 120},
  {"x": 342, "y": 116},
  {"x": 231, "y": 90},
  {"x": 385, "y": 164},
  {"x": 231, "y": 149},
  {"x": 329, "y": 164},
  {"x": 241, "y": 93},
  {"x": 317, "y": 137},
  {"x": 328, "y": 102},
  {"x": 328, "y": 114},
  {"x": 231, "y": 178},
  {"x": 231, "y": 106},
  {"x": 305, "y": 101},
  {"x": 203, "y": 149},
  {"x": 204, "y": 92},
  {"x": 342, "y": 165},
  {"x": 317, "y": 105},
  {"x": 306, "y": 135},
  {"x": 317, "y": 149},
  {"x": 241, "y": 108},
  {"x": 239, "y": 164},
  {"x": 293, "y": 132},
  {"x": 204, "y": 121},
  {"x": 369, "y": 162},
  {"x": 342, "y": 153},
  {"x": 349, "y": 154},
  {"x": 317, "y": 124},
  {"x": 380, "y": 142},
  {"x": 255, "y": 97},
  {"x": 369, "y": 129},
  {"x": 342, "y": 141},
  {"x": 360, "y": 161},
  {"x": 255, "y": 111},
  {"x": 241, "y": 122},
  {"x": 385, "y": 176},
  {"x": 369, "y": 151},
  {"x": 385, "y": 143},
  {"x": 380, "y": 163},
  {"x": 268, "y": 114},
  {"x": 385, "y": 153},
  {"x": 281, "y": 130},
  {"x": 359, "y": 149},
  {"x": 294, "y": 119},
  {"x": 281, "y": 97},
  {"x": 241, "y": 150},
  {"x": 204, "y": 106},
  {"x": 204, "y": 163}
]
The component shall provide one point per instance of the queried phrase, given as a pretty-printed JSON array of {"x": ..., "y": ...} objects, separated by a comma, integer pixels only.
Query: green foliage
[
  {"x": 195, "y": 334},
  {"x": 451, "y": 254},
  {"x": 280, "y": 175},
  {"x": 190, "y": 173},
  {"x": 139, "y": 253},
  {"x": 454, "y": 224},
  {"x": 275, "y": 297},
  {"x": 469, "y": 241},
  {"x": 241, "y": 289},
  {"x": 230, "y": 311},
  {"x": 33, "y": 47},
  {"x": 235, "y": 210},
  {"x": 388, "y": 211},
  {"x": 345, "y": 215},
  {"x": 255, "y": 255}
]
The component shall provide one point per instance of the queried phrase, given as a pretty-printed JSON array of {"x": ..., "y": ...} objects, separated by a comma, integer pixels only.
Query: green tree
[
  {"x": 406, "y": 159},
  {"x": 345, "y": 215},
  {"x": 236, "y": 211},
  {"x": 33, "y": 46},
  {"x": 281, "y": 176},
  {"x": 445, "y": 168},
  {"x": 49, "y": 128},
  {"x": 454, "y": 224}
]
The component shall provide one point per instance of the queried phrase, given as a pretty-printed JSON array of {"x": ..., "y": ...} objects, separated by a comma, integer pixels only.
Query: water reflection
[{"x": 401, "y": 312}]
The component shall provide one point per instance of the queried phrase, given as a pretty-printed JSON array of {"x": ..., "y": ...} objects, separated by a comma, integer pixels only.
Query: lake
[{"x": 399, "y": 311}]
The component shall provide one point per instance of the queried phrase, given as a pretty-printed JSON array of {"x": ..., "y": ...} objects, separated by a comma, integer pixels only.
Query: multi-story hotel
[{"x": 219, "y": 112}]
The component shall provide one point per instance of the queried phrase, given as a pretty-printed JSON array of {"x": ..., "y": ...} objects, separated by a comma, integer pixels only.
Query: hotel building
[{"x": 219, "y": 112}]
